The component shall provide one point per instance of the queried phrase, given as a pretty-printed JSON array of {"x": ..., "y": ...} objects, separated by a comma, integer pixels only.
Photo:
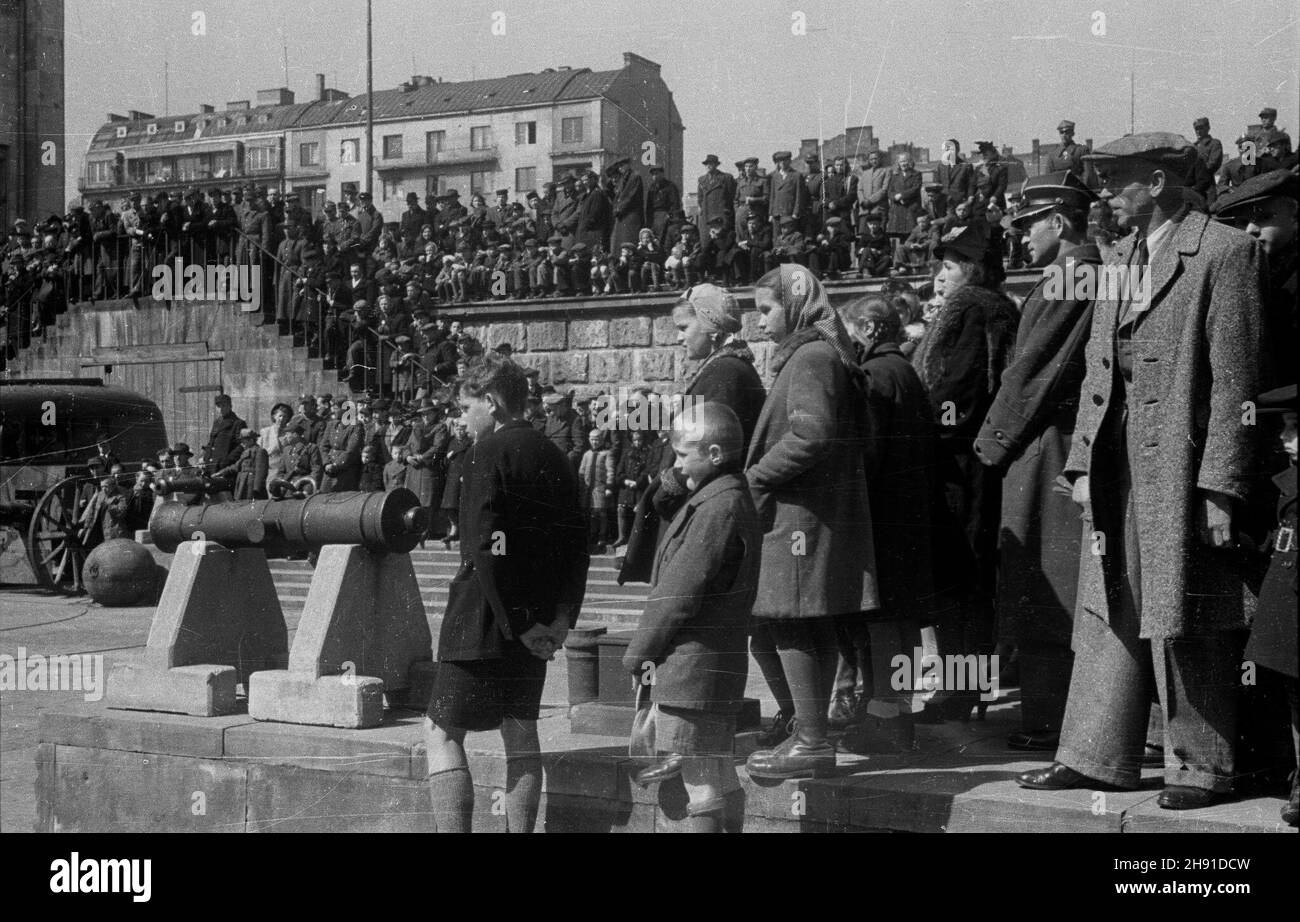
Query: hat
[
  {"x": 1040, "y": 194},
  {"x": 1259, "y": 187},
  {"x": 969, "y": 243},
  {"x": 431, "y": 325},
  {"x": 1066, "y": 125},
  {"x": 504, "y": 248},
  {"x": 505, "y": 192},
  {"x": 789, "y": 221},
  {"x": 834, "y": 222},
  {"x": 325, "y": 398},
  {"x": 533, "y": 194},
  {"x": 555, "y": 238},
  {"x": 711, "y": 159},
  {"x": 530, "y": 242},
  {"x": 812, "y": 158},
  {"x": 620, "y": 162},
  {"x": 247, "y": 434},
  {"x": 749, "y": 160},
  {"x": 553, "y": 398},
  {"x": 450, "y": 194},
  {"x": 180, "y": 448},
  {"x": 716, "y": 308},
  {"x": 221, "y": 398},
  {"x": 1159, "y": 147},
  {"x": 567, "y": 178},
  {"x": 412, "y": 197},
  {"x": 504, "y": 349},
  {"x": 579, "y": 248},
  {"x": 717, "y": 221},
  {"x": 402, "y": 339},
  {"x": 1268, "y": 112},
  {"x": 985, "y": 145},
  {"x": 1201, "y": 122},
  {"x": 781, "y": 155},
  {"x": 1278, "y": 400},
  {"x": 656, "y": 169}
]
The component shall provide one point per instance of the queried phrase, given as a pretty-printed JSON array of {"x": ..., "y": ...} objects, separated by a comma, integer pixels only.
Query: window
[
  {"x": 392, "y": 188},
  {"x": 433, "y": 144},
  {"x": 350, "y": 151},
  {"x": 260, "y": 158},
  {"x": 151, "y": 128},
  {"x": 121, "y": 131},
  {"x": 480, "y": 181},
  {"x": 223, "y": 164},
  {"x": 190, "y": 168},
  {"x": 392, "y": 147},
  {"x": 435, "y": 185},
  {"x": 480, "y": 138},
  {"x": 525, "y": 132},
  {"x": 99, "y": 171},
  {"x": 525, "y": 178},
  {"x": 178, "y": 127},
  {"x": 309, "y": 154},
  {"x": 571, "y": 130}
]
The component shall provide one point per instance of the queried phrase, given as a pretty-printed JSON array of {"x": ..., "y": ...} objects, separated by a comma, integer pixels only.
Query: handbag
[{"x": 641, "y": 741}]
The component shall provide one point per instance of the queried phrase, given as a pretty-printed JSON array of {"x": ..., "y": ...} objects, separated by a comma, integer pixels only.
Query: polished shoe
[
  {"x": 1181, "y": 797},
  {"x": 881, "y": 736},
  {"x": 1056, "y": 777},
  {"x": 664, "y": 770},
  {"x": 844, "y": 712},
  {"x": 797, "y": 757},
  {"x": 783, "y": 725},
  {"x": 1042, "y": 741},
  {"x": 1291, "y": 809}
]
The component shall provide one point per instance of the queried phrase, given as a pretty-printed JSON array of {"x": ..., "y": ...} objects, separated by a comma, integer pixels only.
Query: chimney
[
  {"x": 135, "y": 115},
  {"x": 630, "y": 59},
  {"x": 320, "y": 87},
  {"x": 114, "y": 117},
  {"x": 237, "y": 104},
  {"x": 332, "y": 95},
  {"x": 278, "y": 96},
  {"x": 205, "y": 109}
]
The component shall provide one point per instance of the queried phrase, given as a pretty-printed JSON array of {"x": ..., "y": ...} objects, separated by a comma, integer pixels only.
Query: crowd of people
[{"x": 1094, "y": 490}]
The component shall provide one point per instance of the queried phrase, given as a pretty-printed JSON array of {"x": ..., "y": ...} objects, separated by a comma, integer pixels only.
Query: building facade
[
  {"x": 32, "y": 140},
  {"x": 513, "y": 133}
]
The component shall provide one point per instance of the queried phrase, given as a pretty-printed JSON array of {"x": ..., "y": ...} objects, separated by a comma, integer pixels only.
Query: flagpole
[{"x": 370, "y": 100}]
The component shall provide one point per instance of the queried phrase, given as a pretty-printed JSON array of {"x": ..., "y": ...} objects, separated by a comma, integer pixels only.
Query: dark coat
[
  {"x": 787, "y": 195},
  {"x": 696, "y": 619},
  {"x": 901, "y": 483},
  {"x": 805, "y": 473},
  {"x": 345, "y": 454},
  {"x": 1273, "y": 636},
  {"x": 247, "y": 475},
  {"x": 715, "y": 195},
  {"x": 520, "y": 488},
  {"x": 629, "y": 210},
  {"x": 1195, "y": 364},
  {"x": 1026, "y": 434},
  {"x": 958, "y": 182},
  {"x": 223, "y": 440},
  {"x": 565, "y": 431},
  {"x": 902, "y": 216},
  {"x": 457, "y": 449},
  {"x": 427, "y": 477},
  {"x": 594, "y": 219}
]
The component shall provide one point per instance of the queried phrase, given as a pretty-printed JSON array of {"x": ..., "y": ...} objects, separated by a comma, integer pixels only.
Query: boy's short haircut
[
  {"x": 711, "y": 424},
  {"x": 499, "y": 375}
]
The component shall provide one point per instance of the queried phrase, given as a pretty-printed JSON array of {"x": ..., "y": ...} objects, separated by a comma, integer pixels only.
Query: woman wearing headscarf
[
  {"x": 960, "y": 359},
  {"x": 708, "y": 326},
  {"x": 805, "y": 470}
]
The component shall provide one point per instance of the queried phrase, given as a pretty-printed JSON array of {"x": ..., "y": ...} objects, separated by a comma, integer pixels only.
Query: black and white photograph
[{"x": 788, "y": 417}]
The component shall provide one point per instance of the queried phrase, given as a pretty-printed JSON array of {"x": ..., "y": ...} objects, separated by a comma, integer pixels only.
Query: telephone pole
[{"x": 370, "y": 100}]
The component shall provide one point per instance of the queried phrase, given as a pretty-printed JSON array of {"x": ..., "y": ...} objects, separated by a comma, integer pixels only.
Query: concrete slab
[
  {"x": 203, "y": 690},
  {"x": 350, "y": 701},
  {"x": 287, "y": 798},
  {"x": 392, "y": 749},
  {"x": 95, "y": 726}
]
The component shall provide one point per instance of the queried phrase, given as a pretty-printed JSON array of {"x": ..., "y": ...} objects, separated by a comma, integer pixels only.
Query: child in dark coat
[
  {"x": 372, "y": 472},
  {"x": 690, "y": 644}
]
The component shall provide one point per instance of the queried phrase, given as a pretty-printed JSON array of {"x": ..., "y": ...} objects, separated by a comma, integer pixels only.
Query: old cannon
[{"x": 363, "y": 635}]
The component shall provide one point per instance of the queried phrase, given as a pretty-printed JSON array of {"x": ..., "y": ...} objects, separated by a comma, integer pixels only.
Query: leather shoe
[
  {"x": 797, "y": 757},
  {"x": 1181, "y": 797},
  {"x": 664, "y": 770},
  {"x": 1056, "y": 777},
  {"x": 1042, "y": 741}
]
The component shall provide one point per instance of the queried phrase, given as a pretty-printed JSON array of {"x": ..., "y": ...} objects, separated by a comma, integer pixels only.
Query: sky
[{"x": 744, "y": 81}]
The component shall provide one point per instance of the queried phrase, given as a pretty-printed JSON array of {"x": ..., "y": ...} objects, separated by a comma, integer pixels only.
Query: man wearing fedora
[
  {"x": 716, "y": 193},
  {"x": 628, "y": 203},
  {"x": 1026, "y": 435},
  {"x": 1160, "y": 464}
]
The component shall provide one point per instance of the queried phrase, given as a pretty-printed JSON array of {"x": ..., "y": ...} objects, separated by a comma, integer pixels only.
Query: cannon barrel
[
  {"x": 393, "y": 521},
  {"x": 191, "y": 483}
]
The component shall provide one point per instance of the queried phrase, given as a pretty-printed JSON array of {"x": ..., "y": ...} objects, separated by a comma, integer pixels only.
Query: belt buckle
[{"x": 1285, "y": 540}]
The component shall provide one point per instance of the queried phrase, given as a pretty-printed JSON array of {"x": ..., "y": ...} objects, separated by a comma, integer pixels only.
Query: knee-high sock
[
  {"x": 523, "y": 792},
  {"x": 763, "y": 649},
  {"x": 452, "y": 792}
]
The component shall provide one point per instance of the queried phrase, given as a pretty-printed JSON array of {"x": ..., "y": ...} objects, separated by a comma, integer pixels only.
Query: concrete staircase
[{"x": 607, "y": 603}]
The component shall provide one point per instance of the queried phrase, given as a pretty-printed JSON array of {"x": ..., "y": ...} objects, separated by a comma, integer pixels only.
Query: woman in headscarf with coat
[
  {"x": 960, "y": 359},
  {"x": 805, "y": 471}
]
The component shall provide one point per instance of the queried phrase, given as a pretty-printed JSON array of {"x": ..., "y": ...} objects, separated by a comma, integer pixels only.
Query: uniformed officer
[
  {"x": 1209, "y": 148},
  {"x": 1069, "y": 156},
  {"x": 1267, "y": 119}
]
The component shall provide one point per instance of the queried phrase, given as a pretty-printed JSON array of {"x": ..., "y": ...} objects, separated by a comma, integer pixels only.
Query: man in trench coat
[
  {"x": 1026, "y": 434},
  {"x": 1160, "y": 463}
]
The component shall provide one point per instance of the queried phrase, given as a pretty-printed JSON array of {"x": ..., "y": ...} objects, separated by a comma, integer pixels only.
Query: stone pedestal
[{"x": 218, "y": 622}]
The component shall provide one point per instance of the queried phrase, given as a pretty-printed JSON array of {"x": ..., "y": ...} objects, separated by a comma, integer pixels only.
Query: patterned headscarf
[{"x": 808, "y": 315}]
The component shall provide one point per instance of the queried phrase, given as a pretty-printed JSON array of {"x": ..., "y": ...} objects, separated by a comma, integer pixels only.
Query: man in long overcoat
[
  {"x": 787, "y": 195},
  {"x": 1026, "y": 434},
  {"x": 1160, "y": 461},
  {"x": 628, "y": 204},
  {"x": 715, "y": 194}
]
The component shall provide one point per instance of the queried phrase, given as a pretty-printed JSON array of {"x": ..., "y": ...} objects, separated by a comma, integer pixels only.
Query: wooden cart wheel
[{"x": 54, "y": 545}]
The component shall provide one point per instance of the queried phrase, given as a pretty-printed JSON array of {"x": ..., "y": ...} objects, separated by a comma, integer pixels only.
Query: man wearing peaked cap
[
  {"x": 1267, "y": 118},
  {"x": 1026, "y": 435},
  {"x": 1265, "y": 206},
  {"x": 1068, "y": 155},
  {"x": 787, "y": 193},
  {"x": 1209, "y": 148},
  {"x": 1160, "y": 463}
]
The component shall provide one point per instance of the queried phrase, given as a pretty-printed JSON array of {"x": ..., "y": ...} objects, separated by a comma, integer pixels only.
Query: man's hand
[
  {"x": 540, "y": 641},
  {"x": 1215, "y": 520}
]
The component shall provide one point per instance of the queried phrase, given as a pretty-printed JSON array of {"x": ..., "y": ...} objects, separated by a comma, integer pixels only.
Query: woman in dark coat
[
  {"x": 457, "y": 448},
  {"x": 708, "y": 327},
  {"x": 902, "y": 481},
  {"x": 965, "y": 349},
  {"x": 805, "y": 469},
  {"x": 594, "y": 214},
  {"x": 426, "y": 476}
]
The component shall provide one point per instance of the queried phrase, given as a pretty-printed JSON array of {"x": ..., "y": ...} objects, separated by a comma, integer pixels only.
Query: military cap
[
  {"x": 985, "y": 145},
  {"x": 1268, "y": 112},
  {"x": 1040, "y": 194},
  {"x": 180, "y": 448},
  {"x": 1278, "y": 400},
  {"x": 740, "y": 164},
  {"x": 365, "y": 196},
  {"x": 620, "y": 162},
  {"x": 96, "y": 461},
  {"x": 1201, "y": 122},
  {"x": 553, "y": 399},
  {"x": 781, "y": 155},
  {"x": 749, "y": 160},
  {"x": 533, "y": 194},
  {"x": 1159, "y": 147},
  {"x": 968, "y": 243},
  {"x": 789, "y": 221},
  {"x": 1275, "y": 183},
  {"x": 505, "y": 192},
  {"x": 711, "y": 159},
  {"x": 530, "y": 242},
  {"x": 1066, "y": 125}
]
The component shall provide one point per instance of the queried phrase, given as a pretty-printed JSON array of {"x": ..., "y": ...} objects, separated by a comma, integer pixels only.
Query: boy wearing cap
[{"x": 755, "y": 250}]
